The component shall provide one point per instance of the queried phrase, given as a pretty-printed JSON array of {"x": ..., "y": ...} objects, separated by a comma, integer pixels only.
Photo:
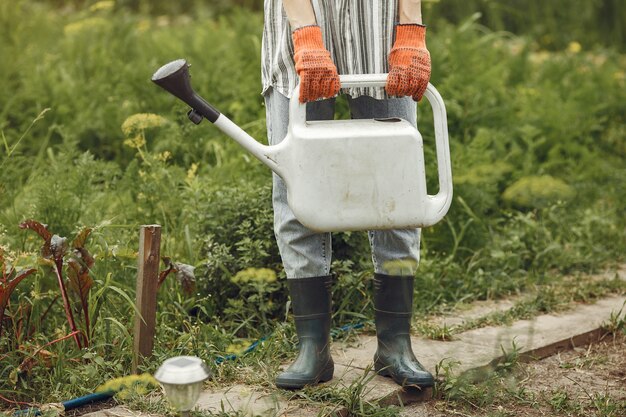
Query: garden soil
[{"x": 587, "y": 381}]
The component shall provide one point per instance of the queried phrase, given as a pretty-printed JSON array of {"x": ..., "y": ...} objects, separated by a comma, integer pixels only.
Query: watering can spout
[{"x": 174, "y": 77}]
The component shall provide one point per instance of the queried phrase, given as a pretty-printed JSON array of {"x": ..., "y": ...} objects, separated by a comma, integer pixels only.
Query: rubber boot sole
[
  {"x": 295, "y": 383},
  {"x": 384, "y": 370}
]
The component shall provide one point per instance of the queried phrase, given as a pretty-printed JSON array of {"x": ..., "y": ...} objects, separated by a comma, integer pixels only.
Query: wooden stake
[{"x": 147, "y": 279}]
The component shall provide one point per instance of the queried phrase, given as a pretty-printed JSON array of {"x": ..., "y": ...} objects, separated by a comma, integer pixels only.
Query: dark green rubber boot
[
  {"x": 393, "y": 304},
  {"x": 311, "y": 301}
]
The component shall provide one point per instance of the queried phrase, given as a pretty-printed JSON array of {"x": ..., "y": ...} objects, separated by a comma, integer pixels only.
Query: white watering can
[{"x": 342, "y": 174}]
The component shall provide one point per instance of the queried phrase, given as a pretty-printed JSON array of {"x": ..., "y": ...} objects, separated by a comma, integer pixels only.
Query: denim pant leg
[
  {"x": 304, "y": 253},
  {"x": 394, "y": 252}
]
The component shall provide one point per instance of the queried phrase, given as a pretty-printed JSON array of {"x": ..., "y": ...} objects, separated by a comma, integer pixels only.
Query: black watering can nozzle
[{"x": 174, "y": 77}]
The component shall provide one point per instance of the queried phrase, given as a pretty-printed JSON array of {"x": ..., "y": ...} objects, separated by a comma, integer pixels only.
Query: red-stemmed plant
[
  {"x": 9, "y": 281},
  {"x": 54, "y": 249},
  {"x": 79, "y": 265},
  {"x": 184, "y": 275}
]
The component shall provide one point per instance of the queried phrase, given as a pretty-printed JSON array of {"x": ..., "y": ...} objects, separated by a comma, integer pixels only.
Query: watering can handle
[{"x": 438, "y": 203}]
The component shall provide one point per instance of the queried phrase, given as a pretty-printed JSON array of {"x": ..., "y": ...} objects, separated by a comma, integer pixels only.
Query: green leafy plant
[
  {"x": 536, "y": 192},
  {"x": 256, "y": 303},
  {"x": 10, "y": 280}
]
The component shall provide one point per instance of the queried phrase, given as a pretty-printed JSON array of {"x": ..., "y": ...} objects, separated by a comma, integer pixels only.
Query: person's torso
[{"x": 358, "y": 34}]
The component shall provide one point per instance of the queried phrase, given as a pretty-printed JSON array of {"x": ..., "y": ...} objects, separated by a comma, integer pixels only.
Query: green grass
[
  {"x": 559, "y": 295},
  {"x": 350, "y": 399},
  {"x": 520, "y": 116}
]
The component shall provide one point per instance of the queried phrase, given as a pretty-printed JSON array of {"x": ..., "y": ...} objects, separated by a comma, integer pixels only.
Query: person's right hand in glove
[{"x": 317, "y": 72}]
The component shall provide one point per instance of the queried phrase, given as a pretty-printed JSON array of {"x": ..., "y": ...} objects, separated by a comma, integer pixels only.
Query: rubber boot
[
  {"x": 311, "y": 301},
  {"x": 393, "y": 304}
]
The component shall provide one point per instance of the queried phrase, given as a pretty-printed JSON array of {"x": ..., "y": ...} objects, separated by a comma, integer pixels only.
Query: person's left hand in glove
[{"x": 409, "y": 62}]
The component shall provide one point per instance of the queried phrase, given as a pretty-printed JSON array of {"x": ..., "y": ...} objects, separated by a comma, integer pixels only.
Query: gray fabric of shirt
[{"x": 358, "y": 34}]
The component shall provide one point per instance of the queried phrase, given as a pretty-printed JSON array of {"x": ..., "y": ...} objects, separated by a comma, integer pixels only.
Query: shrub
[{"x": 537, "y": 192}]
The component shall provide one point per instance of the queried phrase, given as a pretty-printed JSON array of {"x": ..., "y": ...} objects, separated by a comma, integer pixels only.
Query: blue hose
[
  {"x": 69, "y": 404},
  {"x": 334, "y": 332},
  {"x": 87, "y": 399}
]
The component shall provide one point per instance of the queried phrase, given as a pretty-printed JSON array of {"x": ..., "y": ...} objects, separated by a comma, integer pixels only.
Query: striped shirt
[{"x": 358, "y": 34}]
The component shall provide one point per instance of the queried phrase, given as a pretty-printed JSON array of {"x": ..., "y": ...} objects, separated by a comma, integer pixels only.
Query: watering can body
[
  {"x": 354, "y": 174},
  {"x": 347, "y": 174}
]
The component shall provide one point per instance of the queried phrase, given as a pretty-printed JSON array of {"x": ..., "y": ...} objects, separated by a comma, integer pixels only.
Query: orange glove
[
  {"x": 409, "y": 62},
  {"x": 318, "y": 74}
]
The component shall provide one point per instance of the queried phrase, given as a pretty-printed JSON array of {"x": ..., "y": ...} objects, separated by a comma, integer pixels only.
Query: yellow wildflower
[
  {"x": 88, "y": 23},
  {"x": 164, "y": 156},
  {"x": 102, "y": 6},
  {"x": 142, "y": 25},
  {"x": 141, "y": 121},
  {"x": 400, "y": 267},
  {"x": 539, "y": 57},
  {"x": 239, "y": 347},
  {"x": 255, "y": 275},
  {"x": 191, "y": 172},
  {"x": 125, "y": 386},
  {"x": 537, "y": 191},
  {"x": 574, "y": 47},
  {"x": 137, "y": 142}
]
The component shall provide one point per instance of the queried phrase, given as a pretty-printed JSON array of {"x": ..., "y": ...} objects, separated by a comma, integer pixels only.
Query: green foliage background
[{"x": 536, "y": 100}]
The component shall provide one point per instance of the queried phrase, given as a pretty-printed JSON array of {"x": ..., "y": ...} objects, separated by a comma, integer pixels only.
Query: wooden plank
[{"x": 146, "y": 300}]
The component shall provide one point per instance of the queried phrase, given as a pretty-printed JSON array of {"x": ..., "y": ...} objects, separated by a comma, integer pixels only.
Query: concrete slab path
[
  {"x": 477, "y": 349},
  {"x": 474, "y": 350}
]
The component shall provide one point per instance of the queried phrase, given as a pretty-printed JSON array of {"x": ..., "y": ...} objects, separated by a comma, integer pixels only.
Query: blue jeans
[{"x": 306, "y": 253}]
